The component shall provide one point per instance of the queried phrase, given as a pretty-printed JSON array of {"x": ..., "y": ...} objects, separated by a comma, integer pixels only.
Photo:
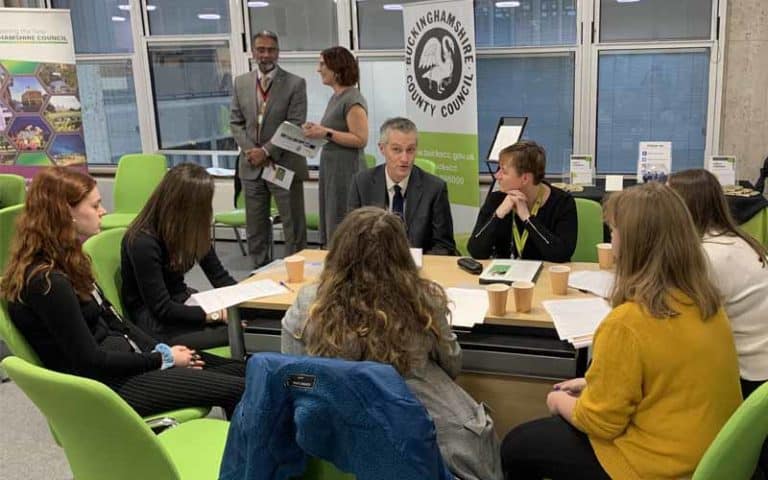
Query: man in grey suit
[
  {"x": 420, "y": 198},
  {"x": 262, "y": 100}
]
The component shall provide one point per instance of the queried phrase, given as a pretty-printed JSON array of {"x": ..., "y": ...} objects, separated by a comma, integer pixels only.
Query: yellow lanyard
[{"x": 520, "y": 240}]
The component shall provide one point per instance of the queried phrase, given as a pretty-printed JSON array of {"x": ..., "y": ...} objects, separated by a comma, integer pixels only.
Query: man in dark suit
[
  {"x": 262, "y": 100},
  {"x": 420, "y": 198}
]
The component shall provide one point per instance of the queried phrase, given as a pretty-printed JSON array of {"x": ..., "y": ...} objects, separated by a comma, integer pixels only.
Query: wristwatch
[
  {"x": 329, "y": 134},
  {"x": 215, "y": 316}
]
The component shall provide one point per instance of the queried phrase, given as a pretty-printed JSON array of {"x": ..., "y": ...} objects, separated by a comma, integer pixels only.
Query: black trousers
[
  {"x": 549, "y": 448},
  {"x": 749, "y": 386},
  {"x": 210, "y": 336},
  {"x": 219, "y": 384}
]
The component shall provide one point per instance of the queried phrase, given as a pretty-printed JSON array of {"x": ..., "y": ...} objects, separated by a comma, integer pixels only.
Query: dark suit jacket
[
  {"x": 427, "y": 211},
  {"x": 287, "y": 102}
]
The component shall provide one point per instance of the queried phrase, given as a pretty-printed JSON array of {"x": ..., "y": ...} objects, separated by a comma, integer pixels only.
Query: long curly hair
[
  {"x": 371, "y": 302},
  {"x": 46, "y": 238}
]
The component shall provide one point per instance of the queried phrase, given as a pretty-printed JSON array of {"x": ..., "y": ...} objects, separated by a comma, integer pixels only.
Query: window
[
  {"x": 110, "y": 117},
  {"x": 380, "y": 24},
  {"x": 192, "y": 88},
  {"x": 382, "y": 76},
  {"x": 651, "y": 96},
  {"x": 20, "y": 3},
  {"x": 300, "y": 24},
  {"x": 100, "y": 26},
  {"x": 184, "y": 17},
  {"x": 538, "y": 87},
  {"x": 650, "y": 20},
  {"x": 525, "y": 23},
  {"x": 209, "y": 160}
]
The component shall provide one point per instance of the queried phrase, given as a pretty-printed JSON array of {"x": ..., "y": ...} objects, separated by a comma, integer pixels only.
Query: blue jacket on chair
[{"x": 360, "y": 416}]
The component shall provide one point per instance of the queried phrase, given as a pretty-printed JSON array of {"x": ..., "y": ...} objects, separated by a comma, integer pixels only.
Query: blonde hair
[
  {"x": 659, "y": 252},
  {"x": 371, "y": 302}
]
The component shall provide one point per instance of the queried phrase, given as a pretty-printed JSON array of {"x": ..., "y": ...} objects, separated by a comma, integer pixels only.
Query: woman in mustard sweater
[{"x": 664, "y": 376}]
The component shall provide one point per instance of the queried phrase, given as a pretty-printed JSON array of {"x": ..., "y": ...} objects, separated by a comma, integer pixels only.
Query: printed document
[
  {"x": 576, "y": 320},
  {"x": 509, "y": 271},
  {"x": 278, "y": 175},
  {"x": 290, "y": 137},
  {"x": 467, "y": 305},
  {"x": 224, "y": 297}
]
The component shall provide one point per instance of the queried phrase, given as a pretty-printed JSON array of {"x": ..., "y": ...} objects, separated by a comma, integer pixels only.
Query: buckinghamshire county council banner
[
  {"x": 40, "y": 114},
  {"x": 441, "y": 96}
]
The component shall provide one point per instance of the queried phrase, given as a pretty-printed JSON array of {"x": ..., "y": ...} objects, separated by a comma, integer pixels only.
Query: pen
[{"x": 286, "y": 286}]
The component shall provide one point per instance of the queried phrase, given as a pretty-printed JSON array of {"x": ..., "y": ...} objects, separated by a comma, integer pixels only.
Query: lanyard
[
  {"x": 521, "y": 240},
  {"x": 264, "y": 93},
  {"x": 98, "y": 296}
]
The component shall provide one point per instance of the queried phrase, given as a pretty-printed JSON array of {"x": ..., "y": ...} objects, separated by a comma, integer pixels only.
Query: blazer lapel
[
  {"x": 274, "y": 91},
  {"x": 413, "y": 195},
  {"x": 379, "y": 195}
]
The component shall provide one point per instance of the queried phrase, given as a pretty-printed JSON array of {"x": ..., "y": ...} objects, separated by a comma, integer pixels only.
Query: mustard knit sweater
[{"x": 658, "y": 390}]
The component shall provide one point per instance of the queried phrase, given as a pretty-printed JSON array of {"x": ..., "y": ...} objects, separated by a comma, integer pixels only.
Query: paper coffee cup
[
  {"x": 558, "y": 278},
  {"x": 294, "y": 265},
  {"x": 497, "y": 298},
  {"x": 523, "y": 292},
  {"x": 605, "y": 255}
]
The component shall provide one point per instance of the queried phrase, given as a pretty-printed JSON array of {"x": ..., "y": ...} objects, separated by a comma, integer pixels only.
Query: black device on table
[{"x": 470, "y": 265}]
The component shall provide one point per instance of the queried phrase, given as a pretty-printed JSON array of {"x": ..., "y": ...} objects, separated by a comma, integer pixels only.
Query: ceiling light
[
  {"x": 258, "y": 4},
  {"x": 118, "y": 19},
  {"x": 511, "y": 4},
  {"x": 151, "y": 8},
  {"x": 392, "y": 7},
  {"x": 124, "y": 8},
  {"x": 209, "y": 16},
  {"x": 627, "y": 1}
]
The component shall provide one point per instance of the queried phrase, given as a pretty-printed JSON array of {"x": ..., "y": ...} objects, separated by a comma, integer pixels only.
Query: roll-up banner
[
  {"x": 441, "y": 96},
  {"x": 40, "y": 118}
]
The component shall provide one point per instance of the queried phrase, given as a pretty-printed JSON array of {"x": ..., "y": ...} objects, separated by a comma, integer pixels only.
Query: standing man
[
  {"x": 262, "y": 100},
  {"x": 420, "y": 198}
]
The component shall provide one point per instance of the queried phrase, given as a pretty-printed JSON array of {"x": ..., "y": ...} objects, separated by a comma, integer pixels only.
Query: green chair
[
  {"x": 321, "y": 470},
  {"x": 103, "y": 437},
  {"x": 7, "y": 229},
  {"x": 236, "y": 219},
  {"x": 461, "y": 240},
  {"x": 756, "y": 226},
  {"x": 137, "y": 176},
  {"x": 370, "y": 160},
  {"x": 426, "y": 165},
  {"x": 590, "y": 230},
  {"x": 12, "y": 190},
  {"x": 19, "y": 347},
  {"x": 734, "y": 452}
]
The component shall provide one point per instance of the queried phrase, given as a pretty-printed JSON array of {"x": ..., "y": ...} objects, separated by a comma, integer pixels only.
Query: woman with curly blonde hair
[{"x": 371, "y": 304}]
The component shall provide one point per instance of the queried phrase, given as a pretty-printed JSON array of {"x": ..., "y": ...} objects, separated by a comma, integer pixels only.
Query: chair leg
[
  {"x": 240, "y": 241},
  {"x": 213, "y": 236}
]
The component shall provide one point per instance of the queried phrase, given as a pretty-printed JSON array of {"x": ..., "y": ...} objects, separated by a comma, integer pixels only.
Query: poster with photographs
[{"x": 40, "y": 112}]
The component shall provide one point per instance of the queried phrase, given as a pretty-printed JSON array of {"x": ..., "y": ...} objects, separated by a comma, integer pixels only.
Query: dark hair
[
  {"x": 179, "y": 213},
  {"x": 706, "y": 201},
  {"x": 265, "y": 34},
  {"x": 45, "y": 234},
  {"x": 340, "y": 61},
  {"x": 525, "y": 156}
]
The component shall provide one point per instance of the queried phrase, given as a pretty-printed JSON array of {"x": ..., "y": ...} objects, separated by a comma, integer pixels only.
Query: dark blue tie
[{"x": 398, "y": 202}]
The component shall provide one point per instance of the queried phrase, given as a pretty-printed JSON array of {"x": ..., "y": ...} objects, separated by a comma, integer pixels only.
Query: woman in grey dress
[
  {"x": 345, "y": 126},
  {"x": 371, "y": 304}
]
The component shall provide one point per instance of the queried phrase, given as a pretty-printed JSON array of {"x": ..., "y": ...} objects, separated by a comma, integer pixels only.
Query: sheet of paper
[
  {"x": 278, "y": 175},
  {"x": 468, "y": 306},
  {"x": 582, "y": 171},
  {"x": 614, "y": 183},
  {"x": 290, "y": 137},
  {"x": 724, "y": 168},
  {"x": 599, "y": 282},
  {"x": 220, "y": 298},
  {"x": 221, "y": 172},
  {"x": 577, "y": 318},
  {"x": 654, "y": 157},
  {"x": 418, "y": 257},
  {"x": 508, "y": 271}
]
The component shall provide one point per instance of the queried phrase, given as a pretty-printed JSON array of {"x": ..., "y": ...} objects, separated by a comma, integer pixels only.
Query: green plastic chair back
[
  {"x": 590, "y": 230},
  {"x": 313, "y": 221},
  {"x": 321, "y": 470},
  {"x": 137, "y": 176},
  {"x": 734, "y": 452},
  {"x": 103, "y": 437},
  {"x": 104, "y": 250},
  {"x": 370, "y": 160},
  {"x": 756, "y": 226},
  {"x": 12, "y": 190},
  {"x": 426, "y": 165},
  {"x": 7, "y": 230},
  {"x": 461, "y": 240}
]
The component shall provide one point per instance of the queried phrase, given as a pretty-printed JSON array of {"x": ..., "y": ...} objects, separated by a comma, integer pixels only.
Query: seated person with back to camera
[
  {"x": 527, "y": 217},
  {"x": 418, "y": 197}
]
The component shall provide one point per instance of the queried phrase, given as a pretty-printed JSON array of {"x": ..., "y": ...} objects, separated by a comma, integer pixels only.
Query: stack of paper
[
  {"x": 510, "y": 270},
  {"x": 576, "y": 320},
  {"x": 598, "y": 282},
  {"x": 220, "y": 298},
  {"x": 467, "y": 305},
  {"x": 418, "y": 257}
]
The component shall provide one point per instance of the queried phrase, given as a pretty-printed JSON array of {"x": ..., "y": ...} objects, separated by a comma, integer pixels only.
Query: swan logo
[{"x": 438, "y": 64}]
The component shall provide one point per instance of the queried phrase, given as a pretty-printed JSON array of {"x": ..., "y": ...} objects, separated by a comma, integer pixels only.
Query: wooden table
[{"x": 442, "y": 270}]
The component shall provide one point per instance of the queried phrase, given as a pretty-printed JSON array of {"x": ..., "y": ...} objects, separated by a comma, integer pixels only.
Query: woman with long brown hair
[
  {"x": 54, "y": 303},
  {"x": 345, "y": 126},
  {"x": 664, "y": 373},
  {"x": 738, "y": 268},
  {"x": 169, "y": 236},
  {"x": 371, "y": 304}
]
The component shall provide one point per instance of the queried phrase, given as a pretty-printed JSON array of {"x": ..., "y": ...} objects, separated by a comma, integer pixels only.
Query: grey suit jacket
[
  {"x": 427, "y": 211},
  {"x": 287, "y": 101}
]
